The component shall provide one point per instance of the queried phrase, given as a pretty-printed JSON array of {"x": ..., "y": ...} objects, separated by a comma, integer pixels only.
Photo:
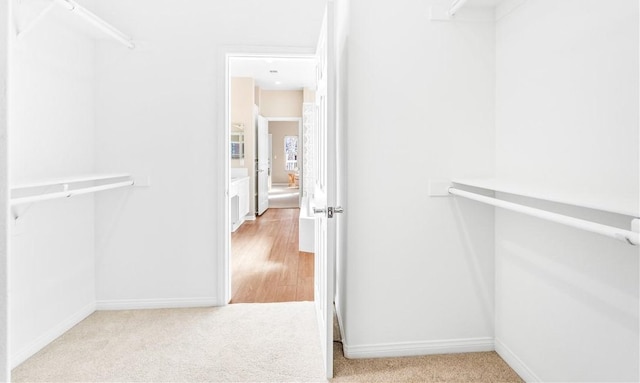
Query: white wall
[
  {"x": 52, "y": 278},
  {"x": 419, "y": 270},
  {"x": 281, "y": 103},
  {"x": 567, "y": 120},
  {"x": 157, "y": 115}
]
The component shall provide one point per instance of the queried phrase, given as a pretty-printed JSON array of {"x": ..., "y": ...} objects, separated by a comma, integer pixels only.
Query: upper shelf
[{"x": 625, "y": 205}]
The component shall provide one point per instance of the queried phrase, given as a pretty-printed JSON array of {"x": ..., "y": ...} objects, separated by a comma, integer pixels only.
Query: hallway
[
  {"x": 266, "y": 265},
  {"x": 284, "y": 197}
]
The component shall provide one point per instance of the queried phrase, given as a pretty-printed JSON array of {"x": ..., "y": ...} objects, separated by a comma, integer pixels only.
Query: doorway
[
  {"x": 285, "y": 172},
  {"x": 265, "y": 104}
]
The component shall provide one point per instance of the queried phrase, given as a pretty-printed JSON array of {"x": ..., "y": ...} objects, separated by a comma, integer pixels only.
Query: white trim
[
  {"x": 516, "y": 363},
  {"x": 142, "y": 304},
  {"x": 388, "y": 350},
  {"x": 221, "y": 203},
  {"x": 51, "y": 335}
]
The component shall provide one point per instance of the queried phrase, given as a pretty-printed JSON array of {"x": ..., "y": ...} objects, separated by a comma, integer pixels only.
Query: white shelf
[
  {"x": 627, "y": 205},
  {"x": 69, "y": 193},
  {"x": 67, "y": 187}
]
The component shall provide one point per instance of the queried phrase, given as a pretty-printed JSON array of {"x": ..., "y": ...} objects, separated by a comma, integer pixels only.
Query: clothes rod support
[
  {"x": 626, "y": 236},
  {"x": 36, "y": 20},
  {"x": 455, "y": 7},
  {"x": 97, "y": 21},
  {"x": 69, "y": 193}
]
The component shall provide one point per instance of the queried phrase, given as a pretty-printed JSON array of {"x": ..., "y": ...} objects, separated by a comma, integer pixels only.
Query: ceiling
[{"x": 276, "y": 73}]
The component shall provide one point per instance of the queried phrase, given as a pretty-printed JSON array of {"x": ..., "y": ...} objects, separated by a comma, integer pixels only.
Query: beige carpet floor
[
  {"x": 268, "y": 342},
  {"x": 237, "y": 343},
  {"x": 477, "y": 367}
]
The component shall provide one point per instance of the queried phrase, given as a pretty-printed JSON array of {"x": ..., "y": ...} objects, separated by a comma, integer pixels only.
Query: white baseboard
[
  {"x": 387, "y": 350},
  {"x": 141, "y": 304},
  {"x": 51, "y": 335},
  {"x": 515, "y": 363},
  {"x": 343, "y": 338}
]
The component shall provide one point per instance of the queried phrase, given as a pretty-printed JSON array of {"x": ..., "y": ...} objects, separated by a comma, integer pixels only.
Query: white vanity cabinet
[{"x": 239, "y": 201}]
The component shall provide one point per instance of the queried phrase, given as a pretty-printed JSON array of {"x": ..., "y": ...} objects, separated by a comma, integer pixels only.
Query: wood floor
[{"x": 266, "y": 265}]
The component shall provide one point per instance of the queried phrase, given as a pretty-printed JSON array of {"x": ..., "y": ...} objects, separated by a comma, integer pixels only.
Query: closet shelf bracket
[
  {"x": 101, "y": 24},
  {"x": 87, "y": 15},
  {"x": 445, "y": 13},
  {"x": 36, "y": 20}
]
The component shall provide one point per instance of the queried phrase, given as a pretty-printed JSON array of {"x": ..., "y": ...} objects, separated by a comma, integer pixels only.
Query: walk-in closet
[{"x": 477, "y": 189}]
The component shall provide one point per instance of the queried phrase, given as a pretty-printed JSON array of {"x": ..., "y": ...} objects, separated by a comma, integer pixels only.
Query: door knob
[{"x": 330, "y": 211}]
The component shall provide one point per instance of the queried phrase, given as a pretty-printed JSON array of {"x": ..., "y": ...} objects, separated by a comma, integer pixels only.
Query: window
[{"x": 291, "y": 153}]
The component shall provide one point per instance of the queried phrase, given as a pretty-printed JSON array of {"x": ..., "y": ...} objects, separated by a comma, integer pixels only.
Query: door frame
[
  {"x": 221, "y": 172},
  {"x": 300, "y": 140}
]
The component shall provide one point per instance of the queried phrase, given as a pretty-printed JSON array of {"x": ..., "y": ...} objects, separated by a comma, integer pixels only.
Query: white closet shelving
[
  {"x": 67, "y": 187},
  {"x": 626, "y": 205},
  {"x": 90, "y": 17},
  {"x": 628, "y": 236}
]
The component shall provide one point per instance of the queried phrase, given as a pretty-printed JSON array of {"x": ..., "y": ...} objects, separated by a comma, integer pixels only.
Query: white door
[
  {"x": 262, "y": 165},
  {"x": 325, "y": 190}
]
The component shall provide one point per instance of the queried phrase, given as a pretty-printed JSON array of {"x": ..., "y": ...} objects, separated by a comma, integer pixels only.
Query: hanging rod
[
  {"x": 69, "y": 193},
  {"x": 70, "y": 180},
  {"x": 627, "y": 236}
]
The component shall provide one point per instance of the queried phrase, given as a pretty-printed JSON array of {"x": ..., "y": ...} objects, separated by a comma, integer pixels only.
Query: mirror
[{"x": 237, "y": 141}]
